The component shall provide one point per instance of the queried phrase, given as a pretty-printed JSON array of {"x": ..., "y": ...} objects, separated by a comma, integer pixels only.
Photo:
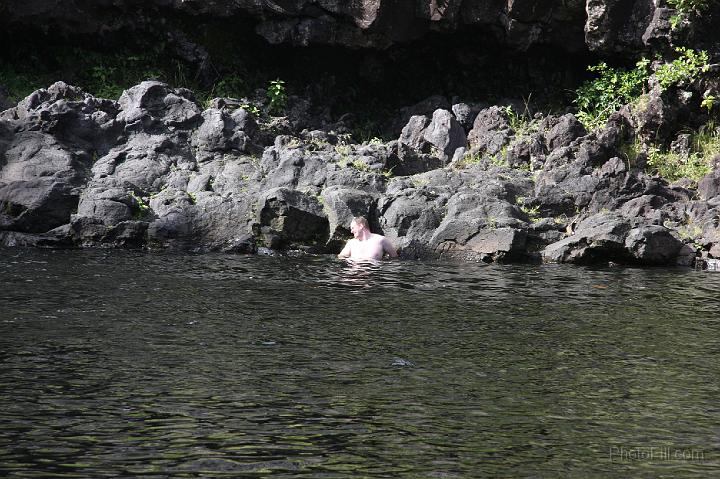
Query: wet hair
[{"x": 361, "y": 220}]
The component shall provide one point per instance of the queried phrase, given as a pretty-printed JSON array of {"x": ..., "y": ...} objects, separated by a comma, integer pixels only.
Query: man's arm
[
  {"x": 389, "y": 248},
  {"x": 345, "y": 253}
]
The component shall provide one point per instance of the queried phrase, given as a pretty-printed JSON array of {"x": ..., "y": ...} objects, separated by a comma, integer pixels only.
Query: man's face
[{"x": 355, "y": 229}]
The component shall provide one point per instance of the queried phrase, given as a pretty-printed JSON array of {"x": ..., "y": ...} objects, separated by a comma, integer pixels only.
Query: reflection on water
[{"x": 118, "y": 364}]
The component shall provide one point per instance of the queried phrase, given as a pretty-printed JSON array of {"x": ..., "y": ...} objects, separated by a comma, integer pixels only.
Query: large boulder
[
  {"x": 598, "y": 238},
  {"x": 153, "y": 106},
  {"x": 445, "y": 134},
  {"x": 413, "y": 132},
  {"x": 491, "y": 131},
  {"x": 480, "y": 224},
  {"x": 221, "y": 131},
  {"x": 288, "y": 218},
  {"x": 564, "y": 132},
  {"x": 653, "y": 244},
  {"x": 77, "y": 120},
  {"x": 610, "y": 237},
  {"x": 709, "y": 185},
  {"x": 40, "y": 183}
]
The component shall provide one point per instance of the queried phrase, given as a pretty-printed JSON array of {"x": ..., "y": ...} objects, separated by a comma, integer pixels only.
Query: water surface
[{"x": 128, "y": 364}]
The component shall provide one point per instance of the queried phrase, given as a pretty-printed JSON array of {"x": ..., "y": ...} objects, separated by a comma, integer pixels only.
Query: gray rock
[
  {"x": 709, "y": 185},
  {"x": 109, "y": 206},
  {"x": 613, "y": 27},
  {"x": 40, "y": 183},
  {"x": 152, "y": 105},
  {"x": 413, "y": 133},
  {"x": 491, "y": 131},
  {"x": 658, "y": 33},
  {"x": 222, "y": 132},
  {"x": 567, "y": 129},
  {"x": 465, "y": 114},
  {"x": 445, "y": 133},
  {"x": 610, "y": 237},
  {"x": 293, "y": 216},
  {"x": 653, "y": 244},
  {"x": 598, "y": 238},
  {"x": 424, "y": 108}
]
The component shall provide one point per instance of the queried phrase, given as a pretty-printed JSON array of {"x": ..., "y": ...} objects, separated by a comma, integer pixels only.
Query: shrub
[
  {"x": 521, "y": 123},
  {"x": 673, "y": 166},
  {"x": 20, "y": 83},
  {"x": 683, "y": 70},
  {"x": 277, "y": 96},
  {"x": 686, "y": 8},
  {"x": 597, "y": 99}
]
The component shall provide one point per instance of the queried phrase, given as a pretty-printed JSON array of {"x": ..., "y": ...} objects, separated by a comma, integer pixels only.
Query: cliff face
[
  {"x": 605, "y": 26},
  {"x": 461, "y": 177}
]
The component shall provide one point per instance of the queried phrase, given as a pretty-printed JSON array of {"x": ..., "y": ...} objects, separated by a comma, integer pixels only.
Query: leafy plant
[
  {"x": 686, "y": 8},
  {"x": 500, "y": 158},
  {"x": 359, "y": 165},
  {"x": 250, "y": 108},
  {"x": 532, "y": 211},
  {"x": 673, "y": 166},
  {"x": 708, "y": 101},
  {"x": 684, "y": 69},
  {"x": 467, "y": 161},
  {"x": 277, "y": 96},
  {"x": 597, "y": 99},
  {"x": 521, "y": 123},
  {"x": 142, "y": 208},
  {"x": 20, "y": 83}
]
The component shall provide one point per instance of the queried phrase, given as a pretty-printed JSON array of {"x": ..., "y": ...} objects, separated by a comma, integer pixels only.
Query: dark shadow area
[{"x": 226, "y": 58}]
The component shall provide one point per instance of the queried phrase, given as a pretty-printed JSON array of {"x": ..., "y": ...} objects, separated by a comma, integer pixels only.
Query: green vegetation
[
  {"x": 500, "y": 158},
  {"x": 533, "y": 212},
  {"x": 21, "y": 83},
  {"x": 708, "y": 101},
  {"x": 467, "y": 161},
  {"x": 365, "y": 130},
  {"x": 684, "y": 69},
  {"x": 672, "y": 165},
  {"x": 142, "y": 209},
  {"x": 686, "y": 8},
  {"x": 359, "y": 165},
  {"x": 107, "y": 75},
  {"x": 277, "y": 97},
  {"x": 597, "y": 99},
  {"x": 387, "y": 174},
  {"x": 491, "y": 222},
  {"x": 521, "y": 123}
]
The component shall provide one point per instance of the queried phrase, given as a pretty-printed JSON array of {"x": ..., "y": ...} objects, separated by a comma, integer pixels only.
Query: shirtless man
[{"x": 366, "y": 245}]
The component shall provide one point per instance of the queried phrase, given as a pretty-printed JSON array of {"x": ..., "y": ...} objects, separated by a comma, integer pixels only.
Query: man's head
[{"x": 358, "y": 225}]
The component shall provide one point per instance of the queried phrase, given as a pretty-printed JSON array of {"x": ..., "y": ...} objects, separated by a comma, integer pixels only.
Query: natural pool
[{"x": 128, "y": 364}]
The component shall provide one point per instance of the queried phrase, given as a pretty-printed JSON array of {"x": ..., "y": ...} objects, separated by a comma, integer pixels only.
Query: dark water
[{"x": 118, "y": 364}]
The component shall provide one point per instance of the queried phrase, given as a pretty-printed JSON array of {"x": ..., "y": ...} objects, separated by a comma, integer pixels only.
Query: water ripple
[{"x": 126, "y": 364}]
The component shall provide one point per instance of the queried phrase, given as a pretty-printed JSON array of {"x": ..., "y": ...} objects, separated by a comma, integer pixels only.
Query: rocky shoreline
[{"x": 157, "y": 170}]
